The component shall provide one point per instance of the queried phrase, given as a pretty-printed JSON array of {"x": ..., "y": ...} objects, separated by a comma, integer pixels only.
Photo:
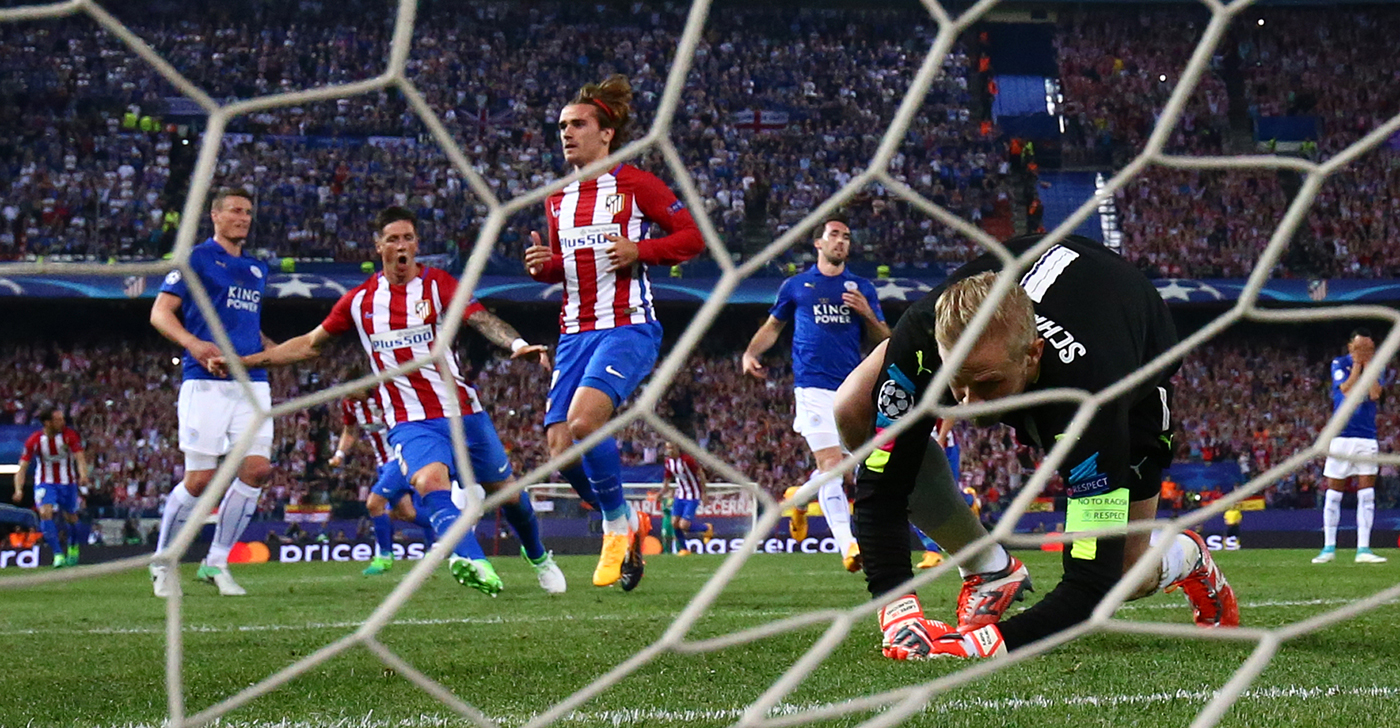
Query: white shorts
[
  {"x": 816, "y": 418},
  {"x": 214, "y": 414},
  {"x": 1341, "y": 469}
]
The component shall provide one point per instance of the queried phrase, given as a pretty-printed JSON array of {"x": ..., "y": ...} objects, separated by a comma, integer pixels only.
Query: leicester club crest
[{"x": 614, "y": 203}]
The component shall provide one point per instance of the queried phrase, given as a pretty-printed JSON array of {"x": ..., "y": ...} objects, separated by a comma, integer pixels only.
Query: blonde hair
[{"x": 959, "y": 303}]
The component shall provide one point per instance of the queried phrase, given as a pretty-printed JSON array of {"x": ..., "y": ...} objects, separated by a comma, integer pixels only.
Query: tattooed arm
[{"x": 505, "y": 336}]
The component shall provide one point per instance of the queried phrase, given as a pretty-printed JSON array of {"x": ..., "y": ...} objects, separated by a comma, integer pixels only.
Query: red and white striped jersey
[
  {"x": 369, "y": 417},
  {"x": 397, "y": 325},
  {"x": 54, "y": 454},
  {"x": 685, "y": 473},
  {"x": 625, "y": 201}
]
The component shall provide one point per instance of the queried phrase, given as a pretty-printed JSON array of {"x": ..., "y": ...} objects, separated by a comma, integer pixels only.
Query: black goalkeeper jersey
[{"x": 1102, "y": 320}]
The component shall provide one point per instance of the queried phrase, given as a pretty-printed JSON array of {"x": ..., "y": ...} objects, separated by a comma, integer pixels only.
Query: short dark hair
[
  {"x": 223, "y": 193},
  {"x": 833, "y": 217},
  {"x": 47, "y": 412},
  {"x": 393, "y": 214},
  {"x": 1361, "y": 331}
]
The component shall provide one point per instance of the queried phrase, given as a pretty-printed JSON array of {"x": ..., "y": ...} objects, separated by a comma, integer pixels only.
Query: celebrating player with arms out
[
  {"x": 212, "y": 411},
  {"x": 609, "y": 336},
  {"x": 825, "y": 348},
  {"x": 56, "y": 448},
  {"x": 1082, "y": 318},
  {"x": 397, "y": 314},
  {"x": 1357, "y": 438}
]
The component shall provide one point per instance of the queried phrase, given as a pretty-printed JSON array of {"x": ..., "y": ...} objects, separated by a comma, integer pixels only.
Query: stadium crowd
[
  {"x": 1245, "y": 402},
  {"x": 1117, "y": 70},
  {"x": 779, "y": 112}
]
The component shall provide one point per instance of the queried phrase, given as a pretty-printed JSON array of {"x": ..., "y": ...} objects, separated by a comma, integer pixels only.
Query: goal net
[{"x": 889, "y": 707}]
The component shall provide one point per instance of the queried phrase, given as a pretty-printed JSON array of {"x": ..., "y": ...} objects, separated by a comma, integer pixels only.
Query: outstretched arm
[
  {"x": 505, "y": 336},
  {"x": 291, "y": 351}
]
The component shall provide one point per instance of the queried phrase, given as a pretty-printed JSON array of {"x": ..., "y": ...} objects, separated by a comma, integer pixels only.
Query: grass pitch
[{"x": 90, "y": 652}]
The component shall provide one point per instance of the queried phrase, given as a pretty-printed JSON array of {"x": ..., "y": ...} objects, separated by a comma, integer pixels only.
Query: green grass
[{"x": 90, "y": 653}]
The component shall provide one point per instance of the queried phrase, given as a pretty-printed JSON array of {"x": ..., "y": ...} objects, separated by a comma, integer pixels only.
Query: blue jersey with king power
[
  {"x": 827, "y": 333},
  {"x": 235, "y": 285},
  {"x": 1363, "y": 420}
]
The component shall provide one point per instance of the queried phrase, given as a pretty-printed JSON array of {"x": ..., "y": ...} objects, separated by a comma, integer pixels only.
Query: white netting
[{"x": 895, "y": 705}]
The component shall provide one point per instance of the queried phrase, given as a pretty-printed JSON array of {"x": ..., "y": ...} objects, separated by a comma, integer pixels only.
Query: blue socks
[
  {"x": 421, "y": 520},
  {"x": 521, "y": 517},
  {"x": 78, "y": 533},
  {"x": 579, "y": 480},
  {"x": 929, "y": 544},
  {"x": 603, "y": 465},
  {"x": 442, "y": 514},
  {"x": 50, "y": 531},
  {"x": 383, "y": 534}
]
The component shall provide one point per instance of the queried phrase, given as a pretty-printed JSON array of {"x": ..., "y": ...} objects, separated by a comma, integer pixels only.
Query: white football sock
[
  {"x": 177, "y": 510},
  {"x": 616, "y": 525},
  {"x": 1331, "y": 516},
  {"x": 1365, "y": 516},
  {"x": 1178, "y": 560},
  {"x": 235, "y": 511},
  {"x": 837, "y": 511},
  {"x": 992, "y": 560}
]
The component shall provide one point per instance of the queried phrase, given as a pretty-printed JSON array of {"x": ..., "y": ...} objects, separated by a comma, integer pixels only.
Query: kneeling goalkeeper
[{"x": 1082, "y": 318}]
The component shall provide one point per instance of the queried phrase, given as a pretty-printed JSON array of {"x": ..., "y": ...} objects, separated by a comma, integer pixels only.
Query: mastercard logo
[{"x": 252, "y": 552}]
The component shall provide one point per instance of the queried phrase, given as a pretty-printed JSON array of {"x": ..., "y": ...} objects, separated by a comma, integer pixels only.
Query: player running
[
  {"x": 1053, "y": 331},
  {"x": 1357, "y": 438},
  {"x": 826, "y": 346},
  {"x": 609, "y": 336},
  {"x": 212, "y": 410},
  {"x": 55, "y": 449},
  {"x": 689, "y": 480},
  {"x": 396, "y": 314}
]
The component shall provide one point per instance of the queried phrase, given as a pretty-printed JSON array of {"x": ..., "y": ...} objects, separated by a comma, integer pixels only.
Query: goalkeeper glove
[
  {"x": 907, "y": 634},
  {"x": 982, "y": 642}
]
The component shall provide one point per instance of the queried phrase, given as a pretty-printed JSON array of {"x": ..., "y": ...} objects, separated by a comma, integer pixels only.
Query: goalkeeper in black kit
[{"x": 1081, "y": 318}]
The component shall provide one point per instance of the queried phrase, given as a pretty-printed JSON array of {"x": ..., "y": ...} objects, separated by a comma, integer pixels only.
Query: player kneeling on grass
[
  {"x": 397, "y": 314},
  {"x": 1082, "y": 318}
]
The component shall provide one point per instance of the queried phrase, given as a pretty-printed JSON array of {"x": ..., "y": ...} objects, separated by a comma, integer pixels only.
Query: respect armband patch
[{"x": 1092, "y": 513}]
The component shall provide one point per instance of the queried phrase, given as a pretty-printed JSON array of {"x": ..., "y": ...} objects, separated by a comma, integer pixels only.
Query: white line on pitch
[
  {"x": 776, "y": 613},
  {"x": 204, "y": 628},
  {"x": 655, "y": 715}
]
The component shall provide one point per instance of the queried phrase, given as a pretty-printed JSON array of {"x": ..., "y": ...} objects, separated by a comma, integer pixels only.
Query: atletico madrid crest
[
  {"x": 423, "y": 309},
  {"x": 614, "y": 203}
]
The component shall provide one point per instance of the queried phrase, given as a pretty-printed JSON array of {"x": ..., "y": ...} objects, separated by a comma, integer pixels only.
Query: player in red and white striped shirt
[
  {"x": 397, "y": 314},
  {"x": 599, "y": 248},
  {"x": 689, "y": 480},
  {"x": 61, "y": 466},
  {"x": 360, "y": 413}
]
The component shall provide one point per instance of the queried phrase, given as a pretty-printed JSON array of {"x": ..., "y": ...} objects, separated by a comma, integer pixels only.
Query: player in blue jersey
[
  {"x": 1358, "y": 438},
  {"x": 833, "y": 309},
  {"x": 213, "y": 412}
]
